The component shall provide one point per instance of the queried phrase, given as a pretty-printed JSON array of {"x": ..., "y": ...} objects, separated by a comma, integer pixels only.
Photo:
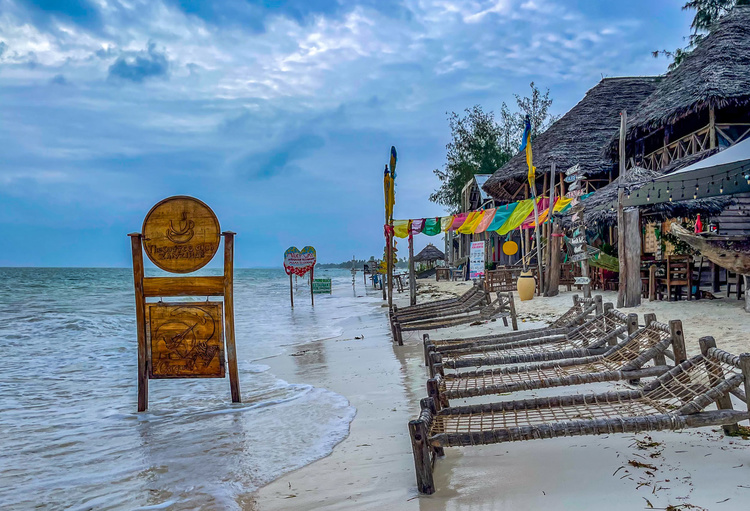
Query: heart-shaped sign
[{"x": 299, "y": 262}]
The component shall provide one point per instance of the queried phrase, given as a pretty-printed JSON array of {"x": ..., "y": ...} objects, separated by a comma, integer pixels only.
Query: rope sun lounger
[
  {"x": 439, "y": 303},
  {"x": 503, "y": 306},
  {"x": 475, "y": 302},
  {"x": 592, "y": 338},
  {"x": 581, "y": 310},
  {"x": 623, "y": 361},
  {"x": 675, "y": 400}
]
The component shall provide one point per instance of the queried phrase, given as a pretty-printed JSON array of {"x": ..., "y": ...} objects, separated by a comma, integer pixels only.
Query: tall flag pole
[
  {"x": 526, "y": 146},
  {"x": 392, "y": 199},
  {"x": 386, "y": 225}
]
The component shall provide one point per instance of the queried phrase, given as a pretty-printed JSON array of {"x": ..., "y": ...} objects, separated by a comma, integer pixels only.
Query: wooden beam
[
  {"x": 234, "y": 377},
  {"x": 136, "y": 246},
  {"x": 620, "y": 210},
  {"x": 183, "y": 286}
]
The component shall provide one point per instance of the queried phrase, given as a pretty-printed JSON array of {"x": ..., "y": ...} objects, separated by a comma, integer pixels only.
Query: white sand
[{"x": 373, "y": 468}]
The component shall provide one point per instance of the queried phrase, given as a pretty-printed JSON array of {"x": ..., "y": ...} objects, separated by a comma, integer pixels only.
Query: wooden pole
[
  {"x": 412, "y": 273},
  {"x": 548, "y": 254},
  {"x": 724, "y": 402},
  {"x": 620, "y": 210},
  {"x": 234, "y": 377},
  {"x": 136, "y": 246},
  {"x": 312, "y": 295},
  {"x": 553, "y": 281},
  {"x": 291, "y": 291},
  {"x": 631, "y": 239}
]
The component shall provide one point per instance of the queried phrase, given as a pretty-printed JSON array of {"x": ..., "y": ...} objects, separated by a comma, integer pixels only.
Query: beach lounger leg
[
  {"x": 433, "y": 406},
  {"x": 678, "y": 341},
  {"x": 426, "y": 346},
  {"x": 513, "y": 317},
  {"x": 724, "y": 402},
  {"x": 422, "y": 461}
]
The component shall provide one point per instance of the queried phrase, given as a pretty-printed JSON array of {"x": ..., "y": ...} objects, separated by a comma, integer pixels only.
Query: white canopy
[{"x": 726, "y": 172}]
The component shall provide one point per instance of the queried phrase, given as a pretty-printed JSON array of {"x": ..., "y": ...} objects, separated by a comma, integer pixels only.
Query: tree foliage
[
  {"x": 707, "y": 13},
  {"x": 480, "y": 144}
]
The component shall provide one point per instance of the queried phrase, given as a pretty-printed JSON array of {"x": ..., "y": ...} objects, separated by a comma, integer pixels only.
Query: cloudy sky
[{"x": 279, "y": 114}]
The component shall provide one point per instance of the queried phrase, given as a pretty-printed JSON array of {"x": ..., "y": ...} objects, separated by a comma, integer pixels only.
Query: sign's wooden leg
[{"x": 234, "y": 377}]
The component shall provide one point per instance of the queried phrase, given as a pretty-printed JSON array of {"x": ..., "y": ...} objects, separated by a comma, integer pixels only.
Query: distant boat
[{"x": 730, "y": 252}]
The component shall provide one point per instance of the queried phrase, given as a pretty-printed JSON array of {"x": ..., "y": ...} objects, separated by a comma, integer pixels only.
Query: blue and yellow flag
[{"x": 526, "y": 144}]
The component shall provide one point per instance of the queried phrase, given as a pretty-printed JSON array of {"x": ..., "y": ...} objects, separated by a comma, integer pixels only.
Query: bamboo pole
[
  {"x": 291, "y": 291},
  {"x": 548, "y": 253},
  {"x": 412, "y": 275},
  {"x": 538, "y": 243}
]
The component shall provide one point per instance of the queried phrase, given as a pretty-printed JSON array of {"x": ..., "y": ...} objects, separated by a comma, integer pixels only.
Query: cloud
[{"x": 138, "y": 66}]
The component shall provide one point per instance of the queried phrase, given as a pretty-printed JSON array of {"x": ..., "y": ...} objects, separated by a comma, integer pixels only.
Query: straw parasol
[{"x": 429, "y": 254}]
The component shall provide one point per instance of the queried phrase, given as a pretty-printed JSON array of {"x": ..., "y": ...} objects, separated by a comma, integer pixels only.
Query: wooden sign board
[
  {"x": 181, "y": 234},
  {"x": 571, "y": 179},
  {"x": 575, "y": 193},
  {"x": 578, "y": 257},
  {"x": 578, "y": 240},
  {"x": 186, "y": 340},
  {"x": 582, "y": 281},
  {"x": 572, "y": 170},
  {"x": 299, "y": 262},
  {"x": 183, "y": 339}
]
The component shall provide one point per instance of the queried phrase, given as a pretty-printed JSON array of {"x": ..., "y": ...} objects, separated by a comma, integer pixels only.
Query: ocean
[{"x": 71, "y": 437}]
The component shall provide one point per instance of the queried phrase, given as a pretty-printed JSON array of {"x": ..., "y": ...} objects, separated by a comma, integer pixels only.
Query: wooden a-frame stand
[{"x": 151, "y": 287}]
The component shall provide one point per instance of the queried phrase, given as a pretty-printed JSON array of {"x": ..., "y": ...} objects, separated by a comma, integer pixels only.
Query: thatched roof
[
  {"x": 579, "y": 136},
  {"x": 598, "y": 206},
  {"x": 716, "y": 73},
  {"x": 429, "y": 253}
]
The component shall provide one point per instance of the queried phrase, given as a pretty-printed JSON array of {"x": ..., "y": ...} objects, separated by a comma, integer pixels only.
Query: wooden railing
[{"x": 693, "y": 143}]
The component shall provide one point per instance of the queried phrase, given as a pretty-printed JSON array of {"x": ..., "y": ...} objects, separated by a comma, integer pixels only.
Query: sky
[{"x": 278, "y": 114}]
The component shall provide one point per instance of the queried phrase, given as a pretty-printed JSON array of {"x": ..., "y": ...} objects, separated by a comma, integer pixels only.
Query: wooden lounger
[
  {"x": 624, "y": 361},
  {"x": 582, "y": 310},
  {"x": 503, "y": 307},
  {"x": 673, "y": 401},
  {"x": 476, "y": 301},
  {"x": 592, "y": 338},
  {"x": 439, "y": 303}
]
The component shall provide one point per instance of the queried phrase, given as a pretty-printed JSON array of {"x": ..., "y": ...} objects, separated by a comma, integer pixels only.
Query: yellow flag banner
[
  {"x": 471, "y": 222},
  {"x": 522, "y": 211},
  {"x": 401, "y": 228}
]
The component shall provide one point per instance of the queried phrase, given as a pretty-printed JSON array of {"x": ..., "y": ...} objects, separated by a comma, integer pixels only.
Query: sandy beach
[{"x": 373, "y": 467}]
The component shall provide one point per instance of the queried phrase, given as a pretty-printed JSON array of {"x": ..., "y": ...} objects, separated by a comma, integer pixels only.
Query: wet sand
[{"x": 373, "y": 468}]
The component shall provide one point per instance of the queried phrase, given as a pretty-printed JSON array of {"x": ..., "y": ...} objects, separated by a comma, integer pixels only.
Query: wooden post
[
  {"x": 291, "y": 291},
  {"x": 540, "y": 273},
  {"x": 678, "y": 341},
  {"x": 745, "y": 367},
  {"x": 715, "y": 284},
  {"x": 652, "y": 283},
  {"x": 422, "y": 462},
  {"x": 312, "y": 295},
  {"x": 711, "y": 127},
  {"x": 234, "y": 377},
  {"x": 412, "y": 274},
  {"x": 136, "y": 246},
  {"x": 630, "y": 279},
  {"x": 550, "y": 224},
  {"x": 724, "y": 402},
  {"x": 553, "y": 282},
  {"x": 620, "y": 214},
  {"x": 390, "y": 268},
  {"x": 747, "y": 293}
]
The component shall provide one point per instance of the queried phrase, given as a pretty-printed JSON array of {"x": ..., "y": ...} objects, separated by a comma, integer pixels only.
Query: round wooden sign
[{"x": 181, "y": 234}]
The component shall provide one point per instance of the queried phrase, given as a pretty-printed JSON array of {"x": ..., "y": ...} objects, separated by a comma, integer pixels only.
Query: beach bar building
[{"x": 577, "y": 138}]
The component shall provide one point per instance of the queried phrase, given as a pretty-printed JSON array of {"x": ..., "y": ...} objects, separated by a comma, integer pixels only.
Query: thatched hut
[
  {"x": 577, "y": 138},
  {"x": 699, "y": 108},
  {"x": 429, "y": 255}
]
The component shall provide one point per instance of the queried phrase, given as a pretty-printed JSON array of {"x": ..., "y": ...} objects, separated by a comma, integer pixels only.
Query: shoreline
[{"x": 372, "y": 468}]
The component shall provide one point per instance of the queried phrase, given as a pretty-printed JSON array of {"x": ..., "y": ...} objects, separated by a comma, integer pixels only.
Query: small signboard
[
  {"x": 582, "y": 281},
  {"x": 573, "y": 170},
  {"x": 574, "y": 187},
  {"x": 321, "y": 286},
  {"x": 571, "y": 179},
  {"x": 582, "y": 256},
  {"x": 298, "y": 262},
  {"x": 575, "y": 193},
  {"x": 476, "y": 260}
]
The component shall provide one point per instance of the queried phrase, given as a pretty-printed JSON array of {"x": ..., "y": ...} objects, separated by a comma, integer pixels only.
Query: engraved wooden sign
[
  {"x": 181, "y": 234},
  {"x": 185, "y": 340}
]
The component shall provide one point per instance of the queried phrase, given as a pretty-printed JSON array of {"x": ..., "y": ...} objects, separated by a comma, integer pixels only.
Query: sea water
[{"x": 70, "y": 437}]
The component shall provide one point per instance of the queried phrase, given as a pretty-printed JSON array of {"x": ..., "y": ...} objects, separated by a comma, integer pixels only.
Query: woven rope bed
[
  {"x": 591, "y": 338},
  {"x": 582, "y": 310},
  {"x": 624, "y": 361},
  {"x": 675, "y": 400}
]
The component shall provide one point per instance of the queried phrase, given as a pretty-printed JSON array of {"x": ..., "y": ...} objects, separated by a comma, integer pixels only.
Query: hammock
[
  {"x": 605, "y": 262},
  {"x": 621, "y": 362},
  {"x": 673, "y": 401}
]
